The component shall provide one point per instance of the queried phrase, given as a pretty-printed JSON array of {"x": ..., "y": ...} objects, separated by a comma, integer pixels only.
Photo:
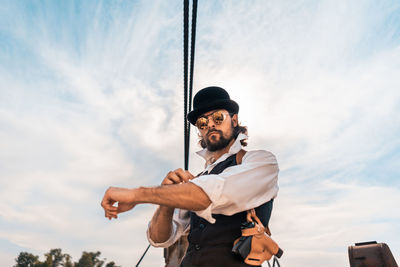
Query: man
[{"x": 212, "y": 205}]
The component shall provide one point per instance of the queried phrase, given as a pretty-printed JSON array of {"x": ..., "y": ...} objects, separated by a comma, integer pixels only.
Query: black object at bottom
[
  {"x": 243, "y": 247},
  {"x": 279, "y": 253},
  {"x": 371, "y": 254}
]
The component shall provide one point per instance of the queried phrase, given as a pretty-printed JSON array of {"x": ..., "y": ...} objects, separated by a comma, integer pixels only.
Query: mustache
[{"x": 214, "y": 130}]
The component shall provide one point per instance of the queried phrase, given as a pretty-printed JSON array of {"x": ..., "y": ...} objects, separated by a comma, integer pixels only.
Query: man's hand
[
  {"x": 125, "y": 199},
  {"x": 178, "y": 176}
]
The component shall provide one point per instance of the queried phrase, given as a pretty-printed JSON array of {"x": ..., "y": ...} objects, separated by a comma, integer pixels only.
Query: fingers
[
  {"x": 106, "y": 199},
  {"x": 177, "y": 176},
  {"x": 111, "y": 215},
  {"x": 107, "y": 204},
  {"x": 110, "y": 210},
  {"x": 121, "y": 196},
  {"x": 172, "y": 178},
  {"x": 189, "y": 175},
  {"x": 184, "y": 176}
]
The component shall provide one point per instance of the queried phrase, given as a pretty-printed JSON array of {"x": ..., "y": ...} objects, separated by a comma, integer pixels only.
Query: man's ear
[{"x": 235, "y": 120}]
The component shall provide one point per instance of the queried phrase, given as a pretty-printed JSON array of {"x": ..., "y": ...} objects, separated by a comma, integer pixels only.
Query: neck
[{"x": 217, "y": 154}]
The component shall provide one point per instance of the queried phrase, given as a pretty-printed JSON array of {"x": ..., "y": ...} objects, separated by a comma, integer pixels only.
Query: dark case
[
  {"x": 243, "y": 246},
  {"x": 371, "y": 254}
]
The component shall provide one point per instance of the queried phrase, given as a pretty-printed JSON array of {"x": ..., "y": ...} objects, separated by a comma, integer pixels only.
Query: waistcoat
[{"x": 210, "y": 244}]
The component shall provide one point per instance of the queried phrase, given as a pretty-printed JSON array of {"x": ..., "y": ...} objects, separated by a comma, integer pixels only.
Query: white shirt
[{"x": 238, "y": 188}]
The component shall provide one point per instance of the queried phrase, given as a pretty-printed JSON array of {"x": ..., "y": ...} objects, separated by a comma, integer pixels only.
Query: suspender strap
[
  {"x": 251, "y": 214},
  {"x": 239, "y": 156}
]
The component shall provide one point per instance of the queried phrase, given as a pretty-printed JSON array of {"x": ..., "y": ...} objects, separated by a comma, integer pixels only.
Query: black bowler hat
[{"x": 211, "y": 98}]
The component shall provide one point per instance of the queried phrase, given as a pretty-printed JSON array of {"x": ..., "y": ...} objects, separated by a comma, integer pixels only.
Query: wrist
[
  {"x": 136, "y": 195},
  {"x": 167, "y": 211},
  {"x": 142, "y": 195}
]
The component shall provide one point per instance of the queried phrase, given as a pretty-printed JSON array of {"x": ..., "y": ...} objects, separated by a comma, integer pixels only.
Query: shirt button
[
  {"x": 201, "y": 226},
  {"x": 197, "y": 247}
]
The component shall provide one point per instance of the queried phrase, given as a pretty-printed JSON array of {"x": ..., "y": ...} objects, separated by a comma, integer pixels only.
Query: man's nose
[{"x": 211, "y": 123}]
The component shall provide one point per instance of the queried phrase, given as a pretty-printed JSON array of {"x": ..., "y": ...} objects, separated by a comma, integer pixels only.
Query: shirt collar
[{"x": 235, "y": 148}]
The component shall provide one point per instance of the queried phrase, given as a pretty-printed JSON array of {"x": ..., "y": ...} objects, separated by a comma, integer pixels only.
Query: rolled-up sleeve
[
  {"x": 180, "y": 226},
  {"x": 240, "y": 187}
]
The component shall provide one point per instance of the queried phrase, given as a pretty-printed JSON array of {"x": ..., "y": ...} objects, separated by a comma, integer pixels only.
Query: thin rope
[
  {"x": 141, "y": 258},
  {"x": 275, "y": 260},
  {"x": 187, "y": 92},
  {"x": 185, "y": 78},
  {"x": 192, "y": 50},
  {"x": 187, "y": 99},
  {"x": 187, "y": 83}
]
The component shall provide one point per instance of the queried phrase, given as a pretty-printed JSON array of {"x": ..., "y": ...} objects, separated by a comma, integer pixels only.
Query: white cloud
[
  {"x": 314, "y": 84},
  {"x": 333, "y": 217}
]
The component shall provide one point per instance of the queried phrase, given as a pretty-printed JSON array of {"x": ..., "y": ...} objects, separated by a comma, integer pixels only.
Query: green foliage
[
  {"x": 90, "y": 259},
  {"x": 68, "y": 262},
  {"x": 111, "y": 264},
  {"x": 26, "y": 259},
  {"x": 55, "y": 258}
]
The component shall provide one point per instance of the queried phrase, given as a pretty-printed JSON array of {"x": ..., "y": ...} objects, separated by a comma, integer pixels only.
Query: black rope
[
  {"x": 187, "y": 86},
  {"x": 192, "y": 50},
  {"x": 275, "y": 260},
  {"x": 185, "y": 78},
  {"x": 188, "y": 89},
  {"x": 141, "y": 258}
]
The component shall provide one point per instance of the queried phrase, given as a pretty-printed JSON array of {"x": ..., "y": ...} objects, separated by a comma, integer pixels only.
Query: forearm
[
  {"x": 186, "y": 196},
  {"x": 161, "y": 224}
]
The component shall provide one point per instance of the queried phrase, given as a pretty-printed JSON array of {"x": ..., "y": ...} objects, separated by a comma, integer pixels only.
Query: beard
[{"x": 223, "y": 142}]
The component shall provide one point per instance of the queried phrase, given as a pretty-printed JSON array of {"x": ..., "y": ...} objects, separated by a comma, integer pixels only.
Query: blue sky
[{"x": 91, "y": 96}]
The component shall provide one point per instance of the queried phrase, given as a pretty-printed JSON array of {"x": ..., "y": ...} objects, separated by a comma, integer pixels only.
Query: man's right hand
[
  {"x": 177, "y": 177},
  {"x": 161, "y": 223}
]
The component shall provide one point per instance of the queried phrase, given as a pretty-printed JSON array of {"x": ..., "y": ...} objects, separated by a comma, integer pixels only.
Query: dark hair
[{"x": 236, "y": 131}]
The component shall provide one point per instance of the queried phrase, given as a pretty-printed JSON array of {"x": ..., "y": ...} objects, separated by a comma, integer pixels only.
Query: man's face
[{"x": 218, "y": 136}]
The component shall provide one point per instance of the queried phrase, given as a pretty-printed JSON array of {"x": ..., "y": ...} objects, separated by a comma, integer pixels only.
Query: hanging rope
[
  {"x": 187, "y": 82},
  {"x": 188, "y": 88},
  {"x": 172, "y": 253},
  {"x": 275, "y": 260},
  {"x": 141, "y": 258},
  {"x": 186, "y": 125}
]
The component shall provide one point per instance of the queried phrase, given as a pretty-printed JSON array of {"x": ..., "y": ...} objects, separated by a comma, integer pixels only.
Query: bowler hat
[{"x": 211, "y": 98}]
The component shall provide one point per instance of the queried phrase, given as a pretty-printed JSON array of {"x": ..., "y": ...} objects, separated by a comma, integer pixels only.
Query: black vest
[{"x": 210, "y": 245}]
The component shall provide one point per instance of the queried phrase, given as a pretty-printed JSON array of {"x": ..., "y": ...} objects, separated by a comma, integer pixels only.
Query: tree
[
  {"x": 111, "y": 264},
  {"x": 85, "y": 261},
  {"x": 90, "y": 259},
  {"x": 55, "y": 257},
  {"x": 26, "y": 259},
  {"x": 67, "y": 261}
]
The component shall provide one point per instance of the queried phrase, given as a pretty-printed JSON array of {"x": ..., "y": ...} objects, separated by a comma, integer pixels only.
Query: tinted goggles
[{"x": 218, "y": 117}]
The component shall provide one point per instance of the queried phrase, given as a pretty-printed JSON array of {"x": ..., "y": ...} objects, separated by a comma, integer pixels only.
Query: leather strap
[
  {"x": 251, "y": 214},
  {"x": 268, "y": 231},
  {"x": 253, "y": 231},
  {"x": 240, "y": 155}
]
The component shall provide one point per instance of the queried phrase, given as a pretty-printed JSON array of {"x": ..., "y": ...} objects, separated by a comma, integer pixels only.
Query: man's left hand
[{"x": 122, "y": 196}]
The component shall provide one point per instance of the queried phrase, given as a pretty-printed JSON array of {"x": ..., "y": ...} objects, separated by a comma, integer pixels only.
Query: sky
[{"x": 91, "y": 96}]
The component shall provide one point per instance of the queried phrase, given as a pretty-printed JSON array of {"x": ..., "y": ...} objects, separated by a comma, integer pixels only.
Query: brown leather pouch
[{"x": 255, "y": 245}]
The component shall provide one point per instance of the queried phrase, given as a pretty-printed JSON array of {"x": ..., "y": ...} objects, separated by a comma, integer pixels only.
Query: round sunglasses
[{"x": 218, "y": 117}]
